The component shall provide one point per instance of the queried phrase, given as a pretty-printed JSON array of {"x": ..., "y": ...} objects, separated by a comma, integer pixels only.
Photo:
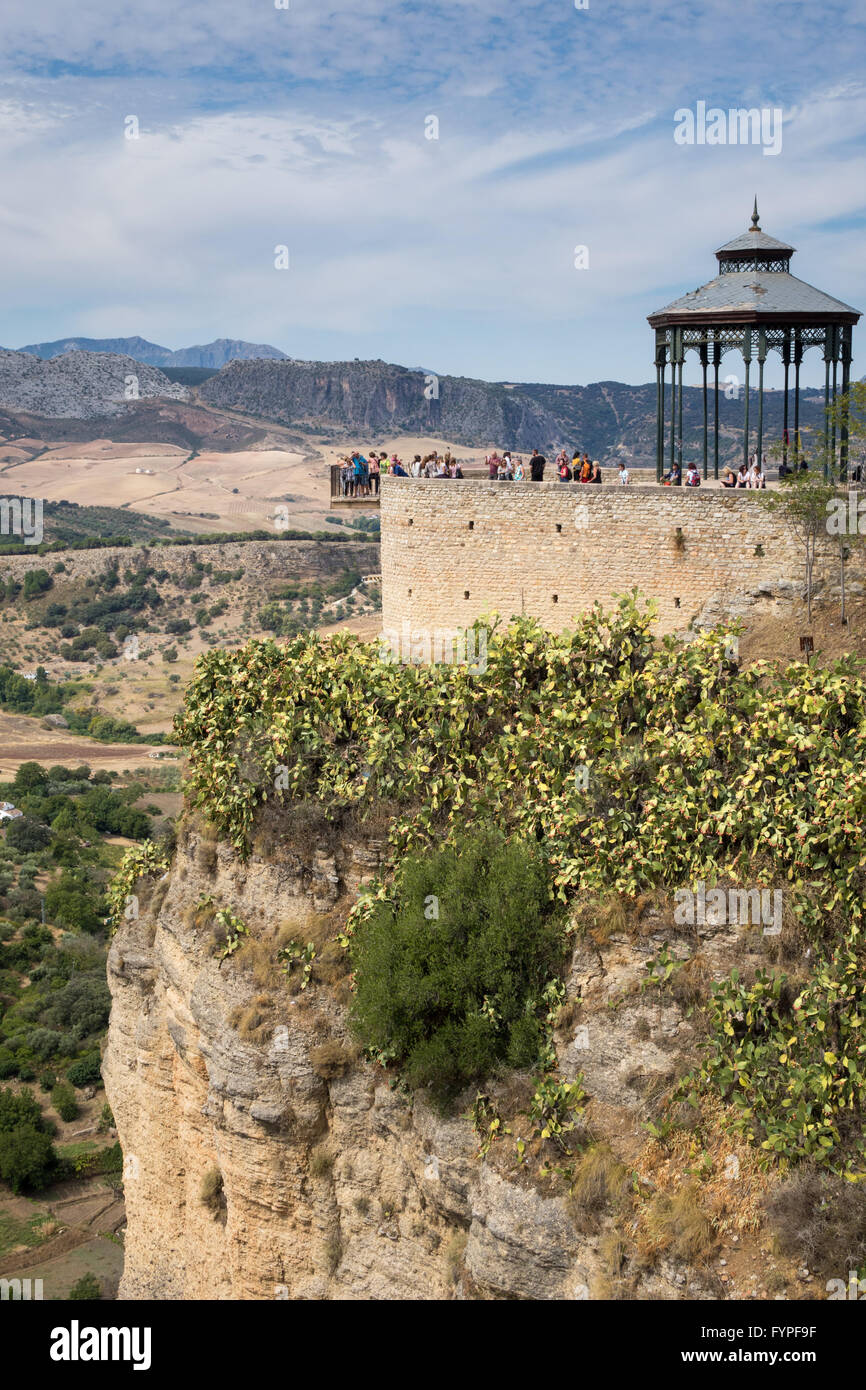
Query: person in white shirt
[{"x": 624, "y": 476}]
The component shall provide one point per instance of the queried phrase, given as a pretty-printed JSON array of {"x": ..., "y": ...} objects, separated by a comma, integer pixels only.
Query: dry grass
[
  {"x": 254, "y": 1022},
  {"x": 820, "y": 1220},
  {"x": 600, "y": 1180},
  {"x": 211, "y": 1193},
  {"x": 331, "y": 1059},
  {"x": 675, "y": 1224},
  {"x": 454, "y": 1255},
  {"x": 320, "y": 1163}
]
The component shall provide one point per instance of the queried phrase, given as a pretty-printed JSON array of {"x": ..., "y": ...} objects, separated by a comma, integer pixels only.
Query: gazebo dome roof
[
  {"x": 754, "y": 284},
  {"x": 755, "y": 293},
  {"x": 755, "y": 240}
]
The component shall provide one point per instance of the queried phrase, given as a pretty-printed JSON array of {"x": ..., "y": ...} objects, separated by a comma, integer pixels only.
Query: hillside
[
  {"x": 369, "y": 398},
  {"x": 80, "y": 385},
  {"x": 215, "y": 354},
  {"x": 607, "y": 419}
]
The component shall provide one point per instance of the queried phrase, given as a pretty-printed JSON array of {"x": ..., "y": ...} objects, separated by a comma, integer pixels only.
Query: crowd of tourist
[{"x": 360, "y": 474}]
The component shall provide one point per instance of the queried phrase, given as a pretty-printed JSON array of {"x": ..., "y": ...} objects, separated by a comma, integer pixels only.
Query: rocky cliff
[{"x": 265, "y": 1159}]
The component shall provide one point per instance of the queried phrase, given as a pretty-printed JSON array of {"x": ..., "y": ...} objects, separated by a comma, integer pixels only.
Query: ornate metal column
[
  {"x": 762, "y": 357},
  {"x": 703, "y": 352},
  {"x": 833, "y": 413},
  {"x": 661, "y": 360},
  {"x": 843, "y": 424},
  {"x": 828, "y": 348},
  {"x": 680, "y": 360},
  {"x": 786, "y": 352},
  {"x": 673, "y": 394},
  {"x": 747, "y": 358},
  {"x": 717, "y": 357},
  {"x": 798, "y": 358}
]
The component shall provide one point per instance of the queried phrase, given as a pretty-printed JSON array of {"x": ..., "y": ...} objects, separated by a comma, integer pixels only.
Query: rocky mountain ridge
[{"x": 215, "y": 354}]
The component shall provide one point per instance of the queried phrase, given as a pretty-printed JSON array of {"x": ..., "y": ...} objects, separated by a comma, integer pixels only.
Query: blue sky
[{"x": 305, "y": 127}]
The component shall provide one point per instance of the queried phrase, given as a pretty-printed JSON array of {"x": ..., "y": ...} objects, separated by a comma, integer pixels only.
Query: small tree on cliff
[{"x": 804, "y": 503}]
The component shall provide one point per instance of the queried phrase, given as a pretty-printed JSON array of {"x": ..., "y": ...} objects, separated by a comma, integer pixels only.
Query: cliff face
[
  {"x": 264, "y": 1159},
  {"x": 334, "y": 1186},
  {"x": 378, "y": 397}
]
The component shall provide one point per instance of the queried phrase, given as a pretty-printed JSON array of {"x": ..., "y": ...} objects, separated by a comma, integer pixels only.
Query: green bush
[
  {"x": 64, "y": 1101},
  {"x": 86, "y": 1071},
  {"x": 87, "y": 1287},
  {"x": 449, "y": 977},
  {"x": 27, "y": 1158}
]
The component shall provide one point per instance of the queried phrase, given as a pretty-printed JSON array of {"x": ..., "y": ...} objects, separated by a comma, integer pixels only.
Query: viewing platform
[{"x": 338, "y": 498}]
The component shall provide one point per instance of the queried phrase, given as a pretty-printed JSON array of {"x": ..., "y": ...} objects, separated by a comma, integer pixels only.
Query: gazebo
[{"x": 756, "y": 306}]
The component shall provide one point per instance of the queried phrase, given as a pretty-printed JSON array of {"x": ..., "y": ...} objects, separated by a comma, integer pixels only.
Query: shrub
[
  {"x": 27, "y": 1157},
  {"x": 87, "y": 1287},
  {"x": 820, "y": 1220},
  {"x": 18, "y": 1110},
  {"x": 64, "y": 1101},
  {"x": 87, "y": 1071},
  {"x": 449, "y": 977}
]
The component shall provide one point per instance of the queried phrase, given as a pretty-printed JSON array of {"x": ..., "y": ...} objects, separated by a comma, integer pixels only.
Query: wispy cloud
[{"x": 306, "y": 127}]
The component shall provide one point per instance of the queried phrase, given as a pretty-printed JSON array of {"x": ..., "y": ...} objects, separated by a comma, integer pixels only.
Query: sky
[{"x": 154, "y": 157}]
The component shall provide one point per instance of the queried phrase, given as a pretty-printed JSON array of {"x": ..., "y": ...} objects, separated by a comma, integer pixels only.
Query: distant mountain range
[
  {"x": 370, "y": 401},
  {"x": 215, "y": 354},
  {"x": 361, "y": 402}
]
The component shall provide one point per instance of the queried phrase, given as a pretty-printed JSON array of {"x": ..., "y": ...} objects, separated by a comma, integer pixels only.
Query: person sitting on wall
[
  {"x": 742, "y": 476},
  {"x": 585, "y": 471},
  {"x": 519, "y": 470},
  {"x": 596, "y": 472},
  {"x": 674, "y": 478},
  {"x": 729, "y": 478},
  {"x": 693, "y": 476},
  {"x": 398, "y": 471},
  {"x": 756, "y": 475},
  {"x": 536, "y": 466},
  {"x": 624, "y": 476}
]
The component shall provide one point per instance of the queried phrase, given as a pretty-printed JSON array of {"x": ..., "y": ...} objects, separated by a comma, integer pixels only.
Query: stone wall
[{"x": 453, "y": 551}]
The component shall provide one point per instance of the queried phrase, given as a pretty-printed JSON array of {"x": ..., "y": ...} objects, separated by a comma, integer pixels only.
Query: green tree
[
  {"x": 804, "y": 503},
  {"x": 450, "y": 976},
  {"x": 27, "y": 1158}
]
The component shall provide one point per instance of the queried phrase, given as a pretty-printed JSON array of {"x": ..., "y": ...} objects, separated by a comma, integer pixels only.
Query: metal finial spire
[{"x": 755, "y": 226}]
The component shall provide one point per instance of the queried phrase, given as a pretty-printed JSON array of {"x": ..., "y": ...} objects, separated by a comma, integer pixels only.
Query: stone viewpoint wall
[{"x": 453, "y": 551}]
